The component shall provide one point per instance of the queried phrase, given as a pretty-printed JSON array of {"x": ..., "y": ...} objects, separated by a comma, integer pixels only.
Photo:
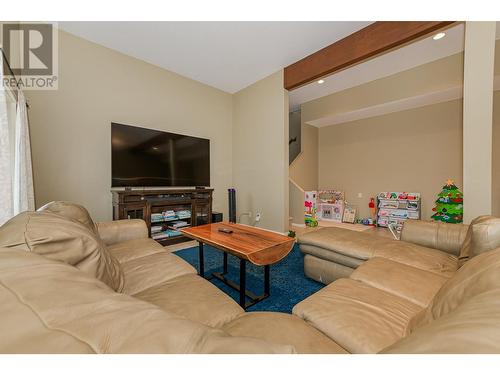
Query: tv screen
[{"x": 145, "y": 157}]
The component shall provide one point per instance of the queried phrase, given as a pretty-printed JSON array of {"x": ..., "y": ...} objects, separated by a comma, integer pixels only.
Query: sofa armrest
[
  {"x": 112, "y": 232},
  {"x": 436, "y": 235}
]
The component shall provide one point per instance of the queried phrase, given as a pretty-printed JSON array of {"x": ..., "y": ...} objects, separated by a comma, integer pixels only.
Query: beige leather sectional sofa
[
  {"x": 69, "y": 286},
  {"x": 333, "y": 253}
]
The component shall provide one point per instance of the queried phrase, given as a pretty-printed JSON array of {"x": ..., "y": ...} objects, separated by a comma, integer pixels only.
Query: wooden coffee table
[{"x": 260, "y": 247}]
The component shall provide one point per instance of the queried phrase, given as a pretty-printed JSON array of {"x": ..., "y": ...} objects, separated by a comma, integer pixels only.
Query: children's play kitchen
[{"x": 326, "y": 205}]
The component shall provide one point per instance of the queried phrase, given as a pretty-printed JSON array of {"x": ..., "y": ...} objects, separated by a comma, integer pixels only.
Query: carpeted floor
[{"x": 289, "y": 285}]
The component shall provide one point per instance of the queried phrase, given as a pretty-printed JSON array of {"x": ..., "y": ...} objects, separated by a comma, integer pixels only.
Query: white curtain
[
  {"x": 16, "y": 177},
  {"x": 6, "y": 157},
  {"x": 23, "y": 195}
]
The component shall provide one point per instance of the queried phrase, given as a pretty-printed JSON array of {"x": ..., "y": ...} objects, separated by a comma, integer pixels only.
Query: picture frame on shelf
[{"x": 349, "y": 215}]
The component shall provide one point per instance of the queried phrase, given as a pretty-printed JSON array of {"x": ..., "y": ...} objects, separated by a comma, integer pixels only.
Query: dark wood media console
[{"x": 150, "y": 205}]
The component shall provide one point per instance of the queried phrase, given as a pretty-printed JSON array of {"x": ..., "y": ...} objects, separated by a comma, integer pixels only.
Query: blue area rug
[{"x": 289, "y": 285}]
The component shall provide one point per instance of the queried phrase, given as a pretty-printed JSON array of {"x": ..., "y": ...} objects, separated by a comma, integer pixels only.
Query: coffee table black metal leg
[
  {"x": 225, "y": 263},
  {"x": 267, "y": 281},
  {"x": 201, "y": 271},
  {"x": 243, "y": 282},
  {"x": 241, "y": 288}
]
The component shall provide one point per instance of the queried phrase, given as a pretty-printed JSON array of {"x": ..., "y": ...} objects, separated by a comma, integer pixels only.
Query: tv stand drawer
[{"x": 133, "y": 198}]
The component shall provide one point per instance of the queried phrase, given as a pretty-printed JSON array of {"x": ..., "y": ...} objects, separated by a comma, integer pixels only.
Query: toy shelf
[{"x": 394, "y": 208}]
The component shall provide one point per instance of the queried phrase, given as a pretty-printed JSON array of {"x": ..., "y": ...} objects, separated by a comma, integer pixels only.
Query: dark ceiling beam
[{"x": 370, "y": 41}]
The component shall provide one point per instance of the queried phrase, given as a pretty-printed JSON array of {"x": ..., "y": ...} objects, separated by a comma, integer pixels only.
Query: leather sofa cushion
[
  {"x": 353, "y": 244},
  {"x": 417, "y": 286},
  {"x": 331, "y": 255},
  {"x": 324, "y": 271},
  {"x": 479, "y": 275},
  {"x": 194, "y": 298},
  {"x": 151, "y": 270},
  {"x": 61, "y": 309},
  {"x": 22, "y": 331},
  {"x": 483, "y": 235},
  {"x": 283, "y": 329},
  {"x": 424, "y": 258},
  {"x": 116, "y": 231},
  {"x": 72, "y": 211},
  {"x": 134, "y": 249},
  {"x": 435, "y": 234},
  {"x": 358, "y": 317},
  {"x": 65, "y": 240},
  {"x": 473, "y": 327},
  {"x": 172, "y": 284},
  {"x": 363, "y": 246}
]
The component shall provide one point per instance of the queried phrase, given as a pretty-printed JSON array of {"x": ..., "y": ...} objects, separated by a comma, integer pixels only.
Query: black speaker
[
  {"x": 232, "y": 204},
  {"x": 217, "y": 217}
]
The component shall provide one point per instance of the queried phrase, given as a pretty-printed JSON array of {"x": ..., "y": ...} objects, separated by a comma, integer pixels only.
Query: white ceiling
[
  {"x": 227, "y": 55},
  {"x": 404, "y": 58}
]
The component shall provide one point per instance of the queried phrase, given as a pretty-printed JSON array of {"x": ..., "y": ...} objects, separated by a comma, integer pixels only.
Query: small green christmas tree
[{"x": 449, "y": 205}]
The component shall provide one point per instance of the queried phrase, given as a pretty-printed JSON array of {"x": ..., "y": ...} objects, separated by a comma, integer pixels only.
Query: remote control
[{"x": 225, "y": 230}]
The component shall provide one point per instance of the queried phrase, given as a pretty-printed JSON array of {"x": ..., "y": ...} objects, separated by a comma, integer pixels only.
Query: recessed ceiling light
[
  {"x": 439, "y": 36},
  {"x": 321, "y": 81}
]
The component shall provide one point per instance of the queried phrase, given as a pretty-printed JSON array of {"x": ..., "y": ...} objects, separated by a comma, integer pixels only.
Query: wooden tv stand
[{"x": 141, "y": 204}]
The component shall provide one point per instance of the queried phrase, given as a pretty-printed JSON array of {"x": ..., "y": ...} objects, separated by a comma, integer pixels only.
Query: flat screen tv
[{"x": 146, "y": 157}]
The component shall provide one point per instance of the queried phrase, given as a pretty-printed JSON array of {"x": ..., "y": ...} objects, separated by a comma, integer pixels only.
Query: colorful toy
[
  {"x": 310, "y": 209},
  {"x": 371, "y": 205},
  {"x": 330, "y": 205},
  {"x": 449, "y": 205},
  {"x": 366, "y": 221}
]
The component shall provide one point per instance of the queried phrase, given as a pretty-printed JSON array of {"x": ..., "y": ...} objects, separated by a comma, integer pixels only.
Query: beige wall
[
  {"x": 260, "y": 151},
  {"x": 414, "y": 150},
  {"x": 495, "y": 183},
  {"x": 495, "y": 177},
  {"x": 477, "y": 124},
  {"x": 296, "y": 195},
  {"x": 304, "y": 169},
  {"x": 70, "y": 127},
  {"x": 495, "y": 190}
]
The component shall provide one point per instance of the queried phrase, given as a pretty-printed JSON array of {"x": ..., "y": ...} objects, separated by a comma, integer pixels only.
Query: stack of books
[
  {"x": 165, "y": 234},
  {"x": 183, "y": 214},
  {"x": 164, "y": 216},
  {"x": 156, "y": 229},
  {"x": 172, "y": 233},
  {"x": 159, "y": 236},
  {"x": 158, "y": 232},
  {"x": 178, "y": 224},
  {"x": 156, "y": 217},
  {"x": 168, "y": 215}
]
